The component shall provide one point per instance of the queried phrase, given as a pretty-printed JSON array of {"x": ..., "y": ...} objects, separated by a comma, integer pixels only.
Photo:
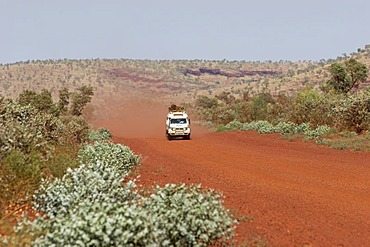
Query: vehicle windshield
[{"x": 178, "y": 121}]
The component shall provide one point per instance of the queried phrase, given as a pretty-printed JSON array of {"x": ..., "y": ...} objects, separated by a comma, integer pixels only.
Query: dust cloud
[{"x": 135, "y": 118}]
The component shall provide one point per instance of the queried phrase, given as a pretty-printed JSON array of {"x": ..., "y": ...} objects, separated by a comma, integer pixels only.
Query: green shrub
[
  {"x": 222, "y": 128},
  {"x": 346, "y": 76},
  {"x": 63, "y": 158},
  {"x": 42, "y": 101},
  {"x": 80, "y": 99},
  {"x": 205, "y": 102},
  {"x": 353, "y": 112},
  {"x": 29, "y": 139},
  {"x": 75, "y": 129},
  {"x": 311, "y": 107},
  {"x": 23, "y": 129},
  {"x": 20, "y": 175},
  {"x": 260, "y": 108}
]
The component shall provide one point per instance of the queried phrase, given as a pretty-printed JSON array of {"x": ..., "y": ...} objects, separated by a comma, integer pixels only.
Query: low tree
[
  {"x": 353, "y": 112},
  {"x": 63, "y": 99},
  {"x": 205, "y": 102},
  {"x": 41, "y": 101},
  {"x": 80, "y": 99},
  {"x": 309, "y": 106},
  {"x": 346, "y": 76},
  {"x": 226, "y": 97},
  {"x": 261, "y": 106}
]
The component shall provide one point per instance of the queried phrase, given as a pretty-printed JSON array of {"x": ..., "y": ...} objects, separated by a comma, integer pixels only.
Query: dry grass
[
  {"x": 339, "y": 141},
  {"x": 347, "y": 142}
]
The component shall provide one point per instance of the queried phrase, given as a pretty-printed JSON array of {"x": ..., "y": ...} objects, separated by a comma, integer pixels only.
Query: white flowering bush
[
  {"x": 319, "y": 131},
  {"x": 285, "y": 127},
  {"x": 265, "y": 127},
  {"x": 115, "y": 155},
  {"x": 22, "y": 128},
  {"x": 234, "y": 125},
  {"x": 93, "y": 182},
  {"x": 96, "y": 223},
  {"x": 174, "y": 215},
  {"x": 353, "y": 111},
  {"x": 103, "y": 167},
  {"x": 188, "y": 216},
  {"x": 302, "y": 128},
  {"x": 101, "y": 134},
  {"x": 262, "y": 127},
  {"x": 92, "y": 206}
]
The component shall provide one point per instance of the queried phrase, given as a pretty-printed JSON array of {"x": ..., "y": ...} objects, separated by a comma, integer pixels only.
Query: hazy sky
[{"x": 255, "y": 30}]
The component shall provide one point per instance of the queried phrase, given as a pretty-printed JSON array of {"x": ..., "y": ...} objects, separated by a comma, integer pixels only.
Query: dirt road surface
[{"x": 284, "y": 193}]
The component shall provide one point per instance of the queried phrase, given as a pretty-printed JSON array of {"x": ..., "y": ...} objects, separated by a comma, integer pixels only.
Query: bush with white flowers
[
  {"x": 189, "y": 216},
  {"x": 93, "y": 182},
  {"x": 92, "y": 206},
  {"x": 262, "y": 127},
  {"x": 97, "y": 223},
  {"x": 319, "y": 131},
  {"x": 234, "y": 125},
  {"x": 101, "y": 134},
  {"x": 110, "y": 154},
  {"x": 285, "y": 127},
  {"x": 174, "y": 215},
  {"x": 265, "y": 127},
  {"x": 103, "y": 167}
]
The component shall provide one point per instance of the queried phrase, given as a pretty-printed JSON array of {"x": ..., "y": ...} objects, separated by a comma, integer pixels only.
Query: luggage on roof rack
[{"x": 176, "y": 108}]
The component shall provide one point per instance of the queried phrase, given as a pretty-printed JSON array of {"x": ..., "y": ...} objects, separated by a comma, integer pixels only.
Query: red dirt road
[{"x": 285, "y": 193}]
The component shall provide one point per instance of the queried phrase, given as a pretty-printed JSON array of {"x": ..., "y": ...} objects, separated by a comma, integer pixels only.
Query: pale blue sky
[{"x": 255, "y": 30}]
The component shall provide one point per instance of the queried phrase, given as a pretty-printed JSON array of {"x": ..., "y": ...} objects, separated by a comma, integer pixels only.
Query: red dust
[
  {"x": 140, "y": 118},
  {"x": 135, "y": 119}
]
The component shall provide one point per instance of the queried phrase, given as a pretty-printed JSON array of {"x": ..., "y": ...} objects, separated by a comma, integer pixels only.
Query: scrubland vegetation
[
  {"x": 325, "y": 113},
  {"x": 80, "y": 185},
  {"x": 39, "y": 138}
]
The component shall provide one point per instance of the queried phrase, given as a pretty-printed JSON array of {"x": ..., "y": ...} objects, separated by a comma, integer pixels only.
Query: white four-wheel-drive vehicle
[{"x": 177, "y": 123}]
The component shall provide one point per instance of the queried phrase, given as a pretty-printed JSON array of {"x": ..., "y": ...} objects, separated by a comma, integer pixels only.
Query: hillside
[
  {"x": 110, "y": 77},
  {"x": 175, "y": 81}
]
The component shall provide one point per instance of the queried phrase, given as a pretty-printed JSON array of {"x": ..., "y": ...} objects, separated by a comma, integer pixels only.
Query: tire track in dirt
[{"x": 289, "y": 193}]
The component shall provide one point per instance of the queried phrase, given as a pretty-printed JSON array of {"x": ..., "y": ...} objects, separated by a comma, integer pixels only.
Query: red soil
[{"x": 285, "y": 193}]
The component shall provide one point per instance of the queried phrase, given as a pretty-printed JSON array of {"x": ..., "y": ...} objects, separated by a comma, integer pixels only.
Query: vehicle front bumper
[{"x": 178, "y": 131}]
